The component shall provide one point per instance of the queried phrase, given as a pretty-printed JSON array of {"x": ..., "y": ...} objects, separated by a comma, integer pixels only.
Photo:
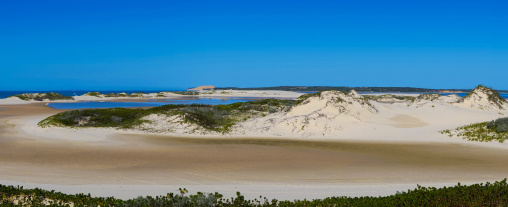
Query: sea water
[{"x": 148, "y": 103}]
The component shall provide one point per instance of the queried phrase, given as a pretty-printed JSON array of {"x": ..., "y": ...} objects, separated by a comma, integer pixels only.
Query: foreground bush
[{"x": 489, "y": 194}]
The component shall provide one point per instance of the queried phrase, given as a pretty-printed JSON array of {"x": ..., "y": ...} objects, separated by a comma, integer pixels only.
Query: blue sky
[{"x": 120, "y": 45}]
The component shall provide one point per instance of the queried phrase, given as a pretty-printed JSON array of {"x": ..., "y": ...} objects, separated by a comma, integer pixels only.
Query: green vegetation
[
  {"x": 219, "y": 118},
  {"x": 187, "y": 93},
  {"x": 306, "y": 96},
  {"x": 388, "y": 96},
  {"x": 483, "y": 132},
  {"x": 488, "y": 194},
  {"x": 429, "y": 96},
  {"x": 115, "y": 95},
  {"x": 499, "y": 125},
  {"x": 42, "y": 96},
  {"x": 97, "y": 94},
  {"x": 116, "y": 117},
  {"x": 140, "y": 94}
]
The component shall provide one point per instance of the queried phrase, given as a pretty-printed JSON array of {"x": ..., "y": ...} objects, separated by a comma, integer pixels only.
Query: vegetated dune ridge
[
  {"x": 200, "y": 88},
  {"x": 339, "y": 115},
  {"x": 95, "y": 96}
]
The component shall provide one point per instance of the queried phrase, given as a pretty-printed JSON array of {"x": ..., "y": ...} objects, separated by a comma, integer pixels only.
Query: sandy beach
[{"x": 403, "y": 149}]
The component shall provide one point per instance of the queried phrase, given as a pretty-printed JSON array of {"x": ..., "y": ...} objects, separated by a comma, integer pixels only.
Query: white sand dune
[
  {"x": 335, "y": 115},
  {"x": 251, "y": 93},
  {"x": 484, "y": 99},
  {"x": 13, "y": 101},
  {"x": 322, "y": 115}
]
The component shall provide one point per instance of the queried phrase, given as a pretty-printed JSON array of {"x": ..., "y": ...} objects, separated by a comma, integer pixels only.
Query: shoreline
[{"x": 215, "y": 94}]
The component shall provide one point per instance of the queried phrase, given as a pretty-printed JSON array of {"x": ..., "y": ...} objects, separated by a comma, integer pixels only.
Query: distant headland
[{"x": 358, "y": 89}]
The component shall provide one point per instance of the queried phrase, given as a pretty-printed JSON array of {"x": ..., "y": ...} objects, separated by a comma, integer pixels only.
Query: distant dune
[{"x": 200, "y": 88}]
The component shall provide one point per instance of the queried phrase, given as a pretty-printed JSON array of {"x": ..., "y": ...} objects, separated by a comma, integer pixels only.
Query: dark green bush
[
  {"x": 116, "y": 117},
  {"x": 206, "y": 116},
  {"x": 41, "y": 96},
  {"x": 500, "y": 125},
  {"x": 188, "y": 93},
  {"x": 489, "y": 194},
  {"x": 93, "y": 94},
  {"x": 56, "y": 96},
  {"x": 490, "y": 124},
  {"x": 502, "y": 128}
]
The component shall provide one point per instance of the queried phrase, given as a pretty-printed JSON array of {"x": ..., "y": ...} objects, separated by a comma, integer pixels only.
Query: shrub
[
  {"x": 116, "y": 117},
  {"x": 188, "y": 93},
  {"x": 306, "y": 96},
  {"x": 42, "y": 96},
  {"x": 97, "y": 94},
  {"x": 502, "y": 128},
  {"x": 488, "y": 194},
  {"x": 484, "y": 131},
  {"x": 500, "y": 125},
  {"x": 490, "y": 124},
  {"x": 429, "y": 96}
]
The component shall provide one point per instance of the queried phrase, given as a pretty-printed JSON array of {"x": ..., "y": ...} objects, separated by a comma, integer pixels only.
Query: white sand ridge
[
  {"x": 480, "y": 98},
  {"x": 332, "y": 113},
  {"x": 430, "y": 100},
  {"x": 319, "y": 115},
  {"x": 483, "y": 98},
  {"x": 172, "y": 124}
]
